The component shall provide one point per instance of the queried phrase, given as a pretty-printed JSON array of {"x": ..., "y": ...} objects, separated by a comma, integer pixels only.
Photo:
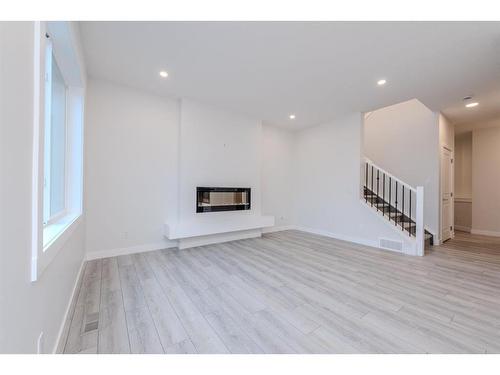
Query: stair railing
[{"x": 396, "y": 200}]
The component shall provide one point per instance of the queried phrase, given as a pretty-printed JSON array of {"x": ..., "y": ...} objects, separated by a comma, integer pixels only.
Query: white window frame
[
  {"x": 49, "y": 234},
  {"x": 48, "y": 218}
]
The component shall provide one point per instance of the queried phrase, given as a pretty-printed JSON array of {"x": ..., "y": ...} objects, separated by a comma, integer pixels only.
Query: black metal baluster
[
  {"x": 372, "y": 186},
  {"x": 390, "y": 197},
  {"x": 409, "y": 215},
  {"x": 383, "y": 193},
  {"x": 396, "y": 217},
  {"x": 403, "y": 209},
  {"x": 366, "y": 183},
  {"x": 378, "y": 200}
]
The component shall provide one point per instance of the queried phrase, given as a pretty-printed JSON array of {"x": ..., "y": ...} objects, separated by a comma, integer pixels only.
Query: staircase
[{"x": 398, "y": 202}]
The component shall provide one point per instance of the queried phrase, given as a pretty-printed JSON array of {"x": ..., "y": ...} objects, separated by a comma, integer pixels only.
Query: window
[
  {"x": 54, "y": 179},
  {"x": 58, "y": 108}
]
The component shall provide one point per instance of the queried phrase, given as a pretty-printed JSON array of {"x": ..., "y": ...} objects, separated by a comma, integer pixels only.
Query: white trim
[
  {"x": 68, "y": 309},
  {"x": 356, "y": 240},
  {"x": 278, "y": 228},
  {"x": 50, "y": 250},
  {"x": 462, "y": 228},
  {"x": 368, "y": 161},
  {"x": 166, "y": 245},
  {"x": 47, "y": 105},
  {"x": 38, "y": 134},
  {"x": 129, "y": 250},
  {"x": 452, "y": 191},
  {"x": 485, "y": 232},
  {"x": 419, "y": 221},
  {"x": 157, "y": 246}
]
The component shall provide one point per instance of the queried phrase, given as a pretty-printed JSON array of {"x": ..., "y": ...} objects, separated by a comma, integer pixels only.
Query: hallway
[{"x": 478, "y": 246}]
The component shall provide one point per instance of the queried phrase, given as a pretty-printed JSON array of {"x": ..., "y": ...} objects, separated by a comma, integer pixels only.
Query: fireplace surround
[{"x": 213, "y": 199}]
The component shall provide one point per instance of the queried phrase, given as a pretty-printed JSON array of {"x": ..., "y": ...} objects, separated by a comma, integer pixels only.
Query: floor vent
[{"x": 384, "y": 243}]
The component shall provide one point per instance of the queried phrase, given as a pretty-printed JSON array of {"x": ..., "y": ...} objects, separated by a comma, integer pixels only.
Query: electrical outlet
[
  {"x": 39, "y": 344},
  {"x": 125, "y": 235}
]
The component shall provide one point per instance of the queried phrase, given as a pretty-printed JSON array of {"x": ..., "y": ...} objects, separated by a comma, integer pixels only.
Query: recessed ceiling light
[
  {"x": 381, "y": 82},
  {"x": 471, "y": 105},
  {"x": 163, "y": 74},
  {"x": 292, "y": 117}
]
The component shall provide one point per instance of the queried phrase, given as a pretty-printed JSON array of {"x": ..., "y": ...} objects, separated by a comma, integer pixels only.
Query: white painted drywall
[
  {"x": 475, "y": 125},
  {"x": 26, "y": 308},
  {"x": 463, "y": 215},
  {"x": 278, "y": 175},
  {"x": 403, "y": 139},
  {"x": 142, "y": 148},
  {"x": 463, "y": 181},
  {"x": 328, "y": 167},
  {"x": 463, "y": 165},
  {"x": 131, "y": 143},
  {"x": 486, "y": 181},
  {"x": 217, "y": 148},
  {"x": 446, "y": 132}
]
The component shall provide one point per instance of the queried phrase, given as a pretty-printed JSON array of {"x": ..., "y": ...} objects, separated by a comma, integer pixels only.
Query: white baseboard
[
  {"x": 321, "y": 232},
  {"x": 485, "y": 232},
  {"x": 58, "y": 346},
  {"x": 278, "y": 228},
  {"x": 130, "y": 250},
  {"x": 166, "y": 245},
  {"x": 463, "y": 229}
]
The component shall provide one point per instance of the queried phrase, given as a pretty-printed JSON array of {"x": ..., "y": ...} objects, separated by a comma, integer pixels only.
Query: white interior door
[{"x": 446, "y": 194}]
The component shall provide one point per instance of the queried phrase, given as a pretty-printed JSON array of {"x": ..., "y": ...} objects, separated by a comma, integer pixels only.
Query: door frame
[{"x": 452, "y": 191}]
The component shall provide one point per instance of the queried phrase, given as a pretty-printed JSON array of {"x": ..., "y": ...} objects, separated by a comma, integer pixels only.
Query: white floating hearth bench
[{"x": 215, "y": 228}]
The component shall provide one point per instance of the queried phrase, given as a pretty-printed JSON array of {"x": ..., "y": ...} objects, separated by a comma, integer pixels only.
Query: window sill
[
  {"x": 55, "y": 236},
  {"x": 53, "y": 231}
]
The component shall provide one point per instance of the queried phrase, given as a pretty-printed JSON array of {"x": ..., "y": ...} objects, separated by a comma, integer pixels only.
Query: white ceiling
[{"x": 316, "y": 70}]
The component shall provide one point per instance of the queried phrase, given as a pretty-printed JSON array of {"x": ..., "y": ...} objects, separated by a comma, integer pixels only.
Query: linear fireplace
[{"x": 211, "y": 199}]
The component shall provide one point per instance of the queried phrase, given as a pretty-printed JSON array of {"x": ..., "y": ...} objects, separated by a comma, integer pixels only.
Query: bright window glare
[
  {"x": 57, "y": 141},
  {"x": 55, "y": 129}
]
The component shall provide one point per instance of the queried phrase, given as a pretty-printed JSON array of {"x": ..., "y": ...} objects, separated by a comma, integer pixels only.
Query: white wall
[
  {"x": 463, "y": 165},
  {"x": 142, "y": 149},
  {"x": 463, "y": 181},
  {"x": 476, "y": 125},
  {"x": 403, "y": 139},
  {"x": 278, "y": 175},
  {"x": 486, "y": 181},
  {"x": 131, "y": 167},
  {"x": 27, "y": 309},
  {"x": 446, "y": 132},
  {"x": 328, "y": 167},
  {"x": 217, "y": 148},
  {"x": 463, "y": 215}
]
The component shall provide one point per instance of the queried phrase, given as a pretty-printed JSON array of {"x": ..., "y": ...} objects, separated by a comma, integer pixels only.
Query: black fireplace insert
[{"x": 212, "y": 199}]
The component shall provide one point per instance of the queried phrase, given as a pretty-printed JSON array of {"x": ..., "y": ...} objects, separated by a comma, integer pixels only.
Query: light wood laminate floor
[{"x": 291, "y": 292}]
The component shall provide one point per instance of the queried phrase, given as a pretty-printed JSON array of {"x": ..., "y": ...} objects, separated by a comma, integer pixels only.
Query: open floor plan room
[{"x": 264, "y": 187}]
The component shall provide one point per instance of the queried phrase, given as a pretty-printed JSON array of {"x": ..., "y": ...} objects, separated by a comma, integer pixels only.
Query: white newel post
[{"x": 420, "y": 221}]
